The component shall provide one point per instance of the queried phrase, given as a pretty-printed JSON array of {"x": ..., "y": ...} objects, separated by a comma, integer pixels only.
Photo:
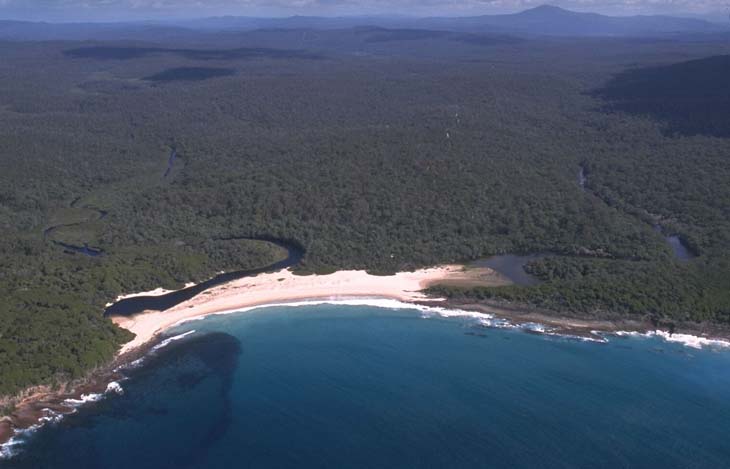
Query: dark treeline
[
  {"x": 190, "y": 74},
  {"x": 127, "y": 53},
  {"x": 693, "y": 97},
  {"x": 382, "y": 155}
]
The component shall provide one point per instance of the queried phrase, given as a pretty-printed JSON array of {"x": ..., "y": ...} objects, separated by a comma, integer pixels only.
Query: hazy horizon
[{"x": 176, "y": 10}]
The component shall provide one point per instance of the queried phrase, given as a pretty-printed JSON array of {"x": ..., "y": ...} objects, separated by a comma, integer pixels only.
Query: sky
[{"x": 122, "y": 10}]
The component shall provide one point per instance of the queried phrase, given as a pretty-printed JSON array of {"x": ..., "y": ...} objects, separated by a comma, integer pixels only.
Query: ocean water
[{"x": 334, "y": 386}]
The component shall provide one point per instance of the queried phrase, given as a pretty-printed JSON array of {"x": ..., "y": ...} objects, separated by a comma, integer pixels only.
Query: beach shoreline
[
  {"x": 42, "y": 403},
  {"x": 285, "y": 287},
  {"x": 38, "y": 405},
  {"x": 282, "y": 288}
]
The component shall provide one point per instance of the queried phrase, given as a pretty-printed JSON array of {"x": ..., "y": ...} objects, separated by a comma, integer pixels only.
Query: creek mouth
[
  {"x": 137, "y": 304},
  {"x": 512, "y": 267}
]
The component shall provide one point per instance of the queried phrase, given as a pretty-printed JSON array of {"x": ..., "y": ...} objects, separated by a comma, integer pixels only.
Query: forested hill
[{"x": 370, "y": 153}]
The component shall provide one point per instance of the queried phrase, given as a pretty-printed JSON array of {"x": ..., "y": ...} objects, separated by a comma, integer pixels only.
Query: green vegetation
[
  {"x": 375, "y": 154},
  {"x": 692, "y": 96},
  {"x": 668, "y": 292}
]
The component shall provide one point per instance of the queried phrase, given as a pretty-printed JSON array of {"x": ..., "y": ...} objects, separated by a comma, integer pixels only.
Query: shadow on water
[
  {"x": 680, "y": 250},
  {"x": 158, "y": 397},
  {"x": 137, "y": 304}
]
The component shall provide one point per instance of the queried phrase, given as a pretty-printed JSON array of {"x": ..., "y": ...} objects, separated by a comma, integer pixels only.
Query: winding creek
[
  {"x": 511, "y": 266},
  {"x": 681, "y": 251},
  {"x": 100, "y": 215},
  {"x": 72, "y": 248},
  {"x": 137, "y": 304},
  {"x": 582, "y": 177},
  {"x": 170, "y": 163}
]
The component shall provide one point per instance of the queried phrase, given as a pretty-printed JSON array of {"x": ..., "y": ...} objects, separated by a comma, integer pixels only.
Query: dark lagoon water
[
  {"x": 357, "y": 386},
  {"x": 512, "y": 267},
  {"x": 137, "y": 304},
  {"x": 681, "y": 252}
]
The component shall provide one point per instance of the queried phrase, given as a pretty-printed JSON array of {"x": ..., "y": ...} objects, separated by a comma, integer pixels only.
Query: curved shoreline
[
  {"x": 245, "y": 293},
  {"x": 284, "y": 286}
]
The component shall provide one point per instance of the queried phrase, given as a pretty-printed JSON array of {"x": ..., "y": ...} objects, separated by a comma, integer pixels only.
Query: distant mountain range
[
  {"x": 548, "y": 20},
  {"x": 544, "y": 20}
]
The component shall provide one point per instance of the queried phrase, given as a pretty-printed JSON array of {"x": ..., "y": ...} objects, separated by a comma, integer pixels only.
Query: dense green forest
[{"x": 371, "y": 153}]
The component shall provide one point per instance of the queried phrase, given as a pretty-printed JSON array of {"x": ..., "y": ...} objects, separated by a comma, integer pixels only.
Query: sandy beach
[
  {"x": 284, "y": 286},
  {"x": 275, "y": 287}
]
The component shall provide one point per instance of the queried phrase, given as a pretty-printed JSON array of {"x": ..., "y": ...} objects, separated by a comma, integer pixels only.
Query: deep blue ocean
[{"x": 335, "y": 386}]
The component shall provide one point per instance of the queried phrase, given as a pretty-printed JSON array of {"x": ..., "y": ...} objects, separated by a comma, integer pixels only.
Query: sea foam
[
  {"x": 13, "y": 446},
  {"x": 688, "y": 340},
  {"x": 485, "y": 319},
  {"x": 172, "y": 339}
]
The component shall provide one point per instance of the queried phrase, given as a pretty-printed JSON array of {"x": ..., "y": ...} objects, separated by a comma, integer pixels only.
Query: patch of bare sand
[{"x": 284, "y": 286}]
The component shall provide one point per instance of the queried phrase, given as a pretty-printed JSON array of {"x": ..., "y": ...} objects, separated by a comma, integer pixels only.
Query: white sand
[
  {"x": 155, "y": 292},
  {"x": 284, "y": 286}
]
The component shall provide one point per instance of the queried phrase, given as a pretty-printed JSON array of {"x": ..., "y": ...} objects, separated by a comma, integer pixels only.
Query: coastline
[
  {"x": 285, "y": 287},
  {"x": 401, "y": 290},
  {"x": 591, "y": 327},
  {"x": 40, "y": 404}
]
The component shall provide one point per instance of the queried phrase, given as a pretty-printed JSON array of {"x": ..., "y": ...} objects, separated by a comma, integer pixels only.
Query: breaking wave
[
  {"x": 688, "y": 340},
  {"x": 14, "y": 445}
]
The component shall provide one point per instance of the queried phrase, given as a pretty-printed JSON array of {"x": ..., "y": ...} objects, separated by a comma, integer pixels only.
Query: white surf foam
[
  {"x": 485, "y": 319},
  {"x": 83, "y": 399},
  {"x": 688, "y": 340},
  {"x": 114, "y": 387},
  {"x": 374, "y": 301},
  {"x": 140, "y": 361},
  {"x": 172, "y": 339},
  {"x": 13, "y": 446},
  {"x": 131, "y": 365},
  {"x": 428, "y": 311}
]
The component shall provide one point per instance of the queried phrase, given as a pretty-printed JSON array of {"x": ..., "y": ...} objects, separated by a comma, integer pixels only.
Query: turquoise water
[{"x": 358, "y": 386}]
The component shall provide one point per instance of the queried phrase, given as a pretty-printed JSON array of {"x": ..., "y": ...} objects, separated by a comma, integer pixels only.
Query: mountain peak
[
  {"x": 546, "y": 7},
  {"x": 546, "y": 10}
]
